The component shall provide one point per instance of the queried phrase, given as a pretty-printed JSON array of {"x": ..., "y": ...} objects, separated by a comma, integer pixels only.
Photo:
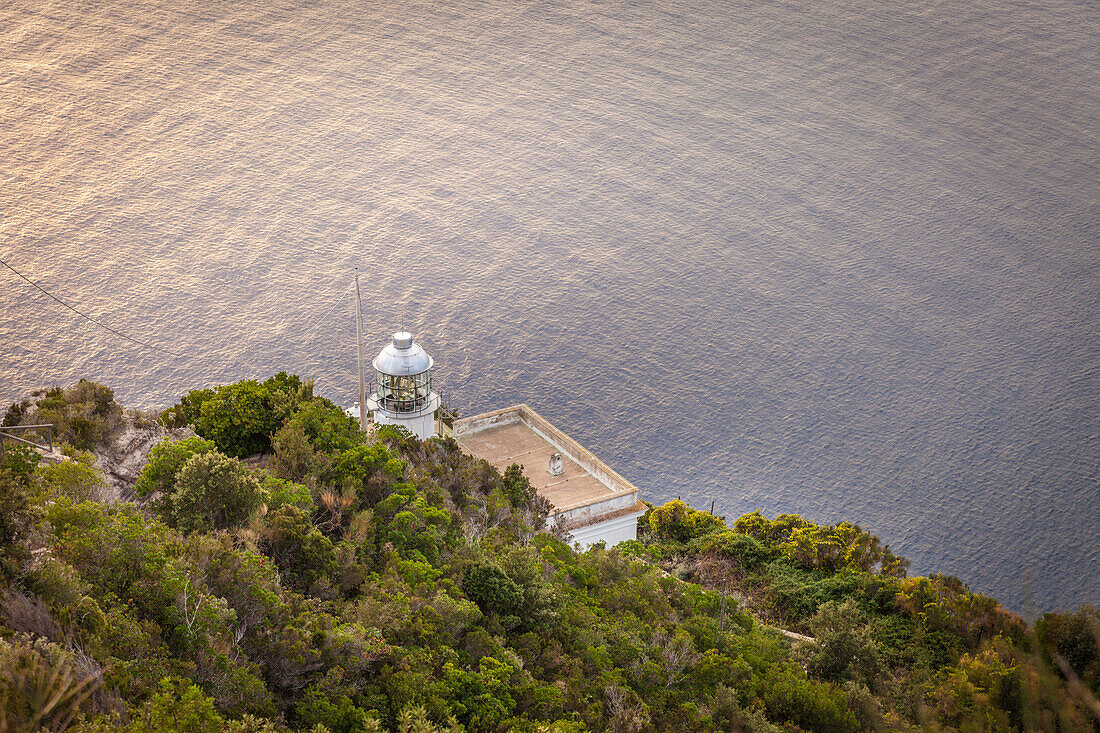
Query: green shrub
[
  {"x": 327, "y": 427},
  {"x": 21, "y": 462},
  {"x": 814, "y": 706},
  {"x": 165, "y": 460},
  {"x": 750, "y": 553},
  {"x": 294, "y": 457},
  {"x": 277, "y": 492},
  {"x": 17, "y": 515},
  {"x": 369, "y": 471},
  {"x": 1075, "y": 637},
  {"x": 242, "y": 417},
  {"x": 677, "y": 521},
  {"x": 844, "y": 648},
  {"x": 82, "y": 414},
  {"x": 112, "y": 548},
  {"x": 485, "y": 584},
  {"x": 239, "y": 418},
  {"x": 301, "y": 552},
  {"x": 178, "y": 707},
  {"x": 339, "y": 716},
  {"x": 69, "y": 479},
  {"x": 57, "y": 582}
]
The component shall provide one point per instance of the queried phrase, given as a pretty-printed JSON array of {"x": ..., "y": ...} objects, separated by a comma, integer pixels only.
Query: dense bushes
[
  {"x": 1072, "y": 641},
  {"x": 898, "y": 651},
  {"x": 494, "y": 592},
  {"x": 165, "y": 460},
  {"x": 389, "y": 583},
  {"x": 76, "y": 480},
  {"x": 241, "y": 418},
  {"x": 17, "y": 513},
  {"x": 300, "y": 551},
  {"x": 82, "y": 415}
]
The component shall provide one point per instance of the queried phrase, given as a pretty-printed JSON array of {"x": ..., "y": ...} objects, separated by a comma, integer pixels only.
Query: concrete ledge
[
  {"x": 598, "y": 510},
  {"x": 570, "y": 522}
]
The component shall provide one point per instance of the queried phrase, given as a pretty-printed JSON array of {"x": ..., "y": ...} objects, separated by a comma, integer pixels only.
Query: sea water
[{"x": 832, "y": 257}]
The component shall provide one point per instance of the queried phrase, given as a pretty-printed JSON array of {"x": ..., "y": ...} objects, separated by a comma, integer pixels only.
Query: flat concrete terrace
[
  {"x": 586, "y": 493},
  {"x": 517, "y": 443}
]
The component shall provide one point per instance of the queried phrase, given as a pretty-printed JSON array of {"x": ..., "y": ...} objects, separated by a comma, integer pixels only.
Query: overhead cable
[
  {"x": 89, "y": 318},
  {"x": 317, "y": 325}
]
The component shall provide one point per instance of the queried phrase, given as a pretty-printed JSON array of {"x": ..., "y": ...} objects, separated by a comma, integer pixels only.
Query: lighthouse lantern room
[{"x": 403, "y": 387}]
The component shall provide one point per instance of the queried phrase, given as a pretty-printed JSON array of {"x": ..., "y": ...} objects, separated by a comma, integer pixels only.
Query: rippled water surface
[{"x": 825, "y": 256}]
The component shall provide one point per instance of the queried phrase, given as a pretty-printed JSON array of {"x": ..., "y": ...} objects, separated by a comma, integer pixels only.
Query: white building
[{"x": 589, "y": 501}]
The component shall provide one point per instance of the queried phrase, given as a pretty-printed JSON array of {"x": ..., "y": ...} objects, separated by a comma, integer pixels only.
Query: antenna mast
[{"x": 359, "y": 346}]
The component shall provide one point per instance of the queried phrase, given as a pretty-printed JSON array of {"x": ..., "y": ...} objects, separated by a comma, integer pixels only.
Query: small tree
[
  {"x": 293, "y": 453},
  {"x": 212, "y": 492},
  {"x": 494, "y": 592},
  {"x": 844, "y": 647},
  {"x": 238, "y": 418},
  {"x": 517, "y": 487}
]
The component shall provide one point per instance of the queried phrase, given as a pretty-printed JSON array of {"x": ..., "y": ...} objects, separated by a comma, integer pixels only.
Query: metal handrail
[
  {"x": 446, "y": 416},
  {"x": 7, "y": 433},
  {"x": 372, "y": 388}
]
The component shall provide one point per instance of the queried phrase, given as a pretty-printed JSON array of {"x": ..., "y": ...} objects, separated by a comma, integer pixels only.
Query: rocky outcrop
[{"x": 122, "y": 455}]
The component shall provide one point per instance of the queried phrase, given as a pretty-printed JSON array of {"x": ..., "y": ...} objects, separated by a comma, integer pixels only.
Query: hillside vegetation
[{"x": 281, "y": 571}]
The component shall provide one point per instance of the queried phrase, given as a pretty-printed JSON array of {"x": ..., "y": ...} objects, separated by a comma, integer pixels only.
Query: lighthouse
[{"x": 403, "y": 387}]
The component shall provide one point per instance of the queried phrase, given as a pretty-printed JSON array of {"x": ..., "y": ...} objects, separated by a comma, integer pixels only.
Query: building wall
[
  {"x": 612, "y": 531},
  {"x": 422, "y": 427}
]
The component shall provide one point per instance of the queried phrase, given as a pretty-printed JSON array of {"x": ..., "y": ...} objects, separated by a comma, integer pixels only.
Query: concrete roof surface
[{"x": 516, "y": 442}]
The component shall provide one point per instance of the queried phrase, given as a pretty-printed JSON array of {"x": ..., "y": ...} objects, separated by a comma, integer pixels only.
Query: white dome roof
[{"x": 402, "y": 358}]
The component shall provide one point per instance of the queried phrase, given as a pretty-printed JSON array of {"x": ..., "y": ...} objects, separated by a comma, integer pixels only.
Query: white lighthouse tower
[{"x": 403, "y": 395}]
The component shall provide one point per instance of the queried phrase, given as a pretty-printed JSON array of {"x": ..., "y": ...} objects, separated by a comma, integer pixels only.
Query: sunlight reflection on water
[{"x": 832, "y": 258}]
